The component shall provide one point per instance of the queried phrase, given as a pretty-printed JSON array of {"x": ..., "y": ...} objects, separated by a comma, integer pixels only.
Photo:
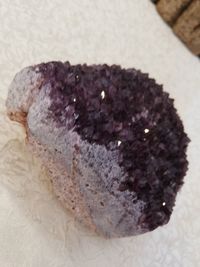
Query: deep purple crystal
[{"x": 108, "y": 104}]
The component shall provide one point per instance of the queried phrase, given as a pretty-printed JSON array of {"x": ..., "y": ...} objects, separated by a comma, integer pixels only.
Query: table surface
[{"x": 35, "y": 231}]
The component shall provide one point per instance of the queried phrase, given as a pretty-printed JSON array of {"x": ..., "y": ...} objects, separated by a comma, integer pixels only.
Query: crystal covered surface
[{"x": 124, "y": 107}]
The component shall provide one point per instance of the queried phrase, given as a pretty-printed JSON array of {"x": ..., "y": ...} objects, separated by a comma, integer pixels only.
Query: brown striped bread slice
[{"x": 170, "y": 10}]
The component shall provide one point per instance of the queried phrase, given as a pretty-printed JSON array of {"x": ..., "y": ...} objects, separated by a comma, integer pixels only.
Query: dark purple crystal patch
[{"x": 108, "y": 104}]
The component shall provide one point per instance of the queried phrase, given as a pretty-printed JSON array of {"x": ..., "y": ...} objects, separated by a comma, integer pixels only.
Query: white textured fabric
[{"x": 35, "y": 231}]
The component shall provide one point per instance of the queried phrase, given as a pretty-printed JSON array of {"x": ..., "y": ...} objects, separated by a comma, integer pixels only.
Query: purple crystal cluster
[{"x": 124, "y": 107}]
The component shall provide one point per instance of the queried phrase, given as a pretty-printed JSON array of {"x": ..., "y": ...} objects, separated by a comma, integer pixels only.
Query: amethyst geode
[{"x": 125, "y": 111}]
